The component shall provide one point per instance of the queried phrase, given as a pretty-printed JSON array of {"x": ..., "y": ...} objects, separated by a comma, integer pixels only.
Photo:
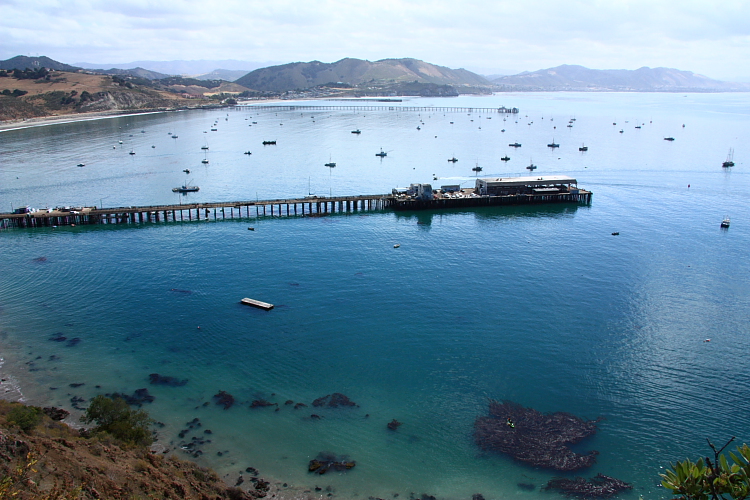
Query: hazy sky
[{"x": 486, "y": 36}]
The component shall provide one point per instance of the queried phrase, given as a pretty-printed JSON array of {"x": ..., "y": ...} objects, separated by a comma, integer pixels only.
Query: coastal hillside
[
  {"x": 50, "y": 460},
  {"x": 579, "y": 78},
  {"x": 349, "y": 71},
  {"x": 41, "y": 93}
]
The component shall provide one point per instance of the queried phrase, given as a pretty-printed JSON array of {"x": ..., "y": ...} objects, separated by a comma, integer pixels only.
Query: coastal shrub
[
  {"x": 114, "y": 417},
  {"x": 25, "y": 417},
  {"x": 705, "y": 479}
]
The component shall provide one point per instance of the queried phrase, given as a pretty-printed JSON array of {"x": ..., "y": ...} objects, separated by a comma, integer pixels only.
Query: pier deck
[{"x": 307, "y": 206}]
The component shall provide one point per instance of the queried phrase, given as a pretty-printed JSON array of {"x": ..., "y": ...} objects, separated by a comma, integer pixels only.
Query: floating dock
[{"x": 257, "y": 303}]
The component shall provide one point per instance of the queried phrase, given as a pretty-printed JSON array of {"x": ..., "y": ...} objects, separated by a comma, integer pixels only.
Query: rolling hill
[{"x": 303, "y": 75}]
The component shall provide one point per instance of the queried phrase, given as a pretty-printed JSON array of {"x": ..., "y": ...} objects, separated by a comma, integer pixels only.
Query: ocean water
[{"x": 538, "y": 305}]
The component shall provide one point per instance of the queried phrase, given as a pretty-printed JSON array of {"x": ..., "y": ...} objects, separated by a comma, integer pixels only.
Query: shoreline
[{"x": 43, "y": 121}]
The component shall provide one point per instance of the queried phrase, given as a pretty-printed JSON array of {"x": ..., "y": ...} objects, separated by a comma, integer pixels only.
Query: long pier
[
  {"x": 360, "y": 107},
  {"x": 300, "y": 207},
  {"x": 308, "y": 206}
]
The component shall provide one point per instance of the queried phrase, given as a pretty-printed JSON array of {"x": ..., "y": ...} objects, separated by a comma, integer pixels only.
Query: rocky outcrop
[
  {"x": 600, "y": 486},
  {"x": 538, "y": 439}
]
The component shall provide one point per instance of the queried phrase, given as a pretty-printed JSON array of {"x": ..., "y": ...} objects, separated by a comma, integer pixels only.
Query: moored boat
[{"x": 730, "y": 159}]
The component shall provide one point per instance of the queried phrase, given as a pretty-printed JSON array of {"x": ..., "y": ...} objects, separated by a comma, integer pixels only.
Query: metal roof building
[{"x": 547, "y": 184}]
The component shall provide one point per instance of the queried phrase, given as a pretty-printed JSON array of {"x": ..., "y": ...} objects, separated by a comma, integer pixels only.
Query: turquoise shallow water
[{"x": 538, "y": 305}]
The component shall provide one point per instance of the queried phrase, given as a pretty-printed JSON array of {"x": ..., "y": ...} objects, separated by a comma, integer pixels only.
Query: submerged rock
[
  {"x": 139, "y": 397},
  {"x": 262, "y": 403},
  {"x": 327, "y": 461},
  {"x": 224, "y": 399},
  {"x": 535, "y": 438},
  {"x": 157, "y": 379},
  {"x": 334, "y": 401},
  {"x": 600, "y": 486}
]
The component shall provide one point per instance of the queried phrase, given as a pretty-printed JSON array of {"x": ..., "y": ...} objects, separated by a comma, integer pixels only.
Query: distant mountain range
[
  {"x": 187, "y": 68},
  {"x": 571, "y": 77},
  {"x": 303, "y": 75},
  {"x": 359, "y": 73}
]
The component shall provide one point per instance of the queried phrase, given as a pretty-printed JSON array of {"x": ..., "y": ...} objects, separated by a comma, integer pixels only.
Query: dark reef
[{"x": 535, "y": 438}]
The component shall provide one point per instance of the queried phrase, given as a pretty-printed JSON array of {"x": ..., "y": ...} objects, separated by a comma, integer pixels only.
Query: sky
[{"x": 485, "y": 36}]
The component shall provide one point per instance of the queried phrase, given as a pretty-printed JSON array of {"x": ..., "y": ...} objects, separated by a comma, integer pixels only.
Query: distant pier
[{"x": 360, "y": 107}]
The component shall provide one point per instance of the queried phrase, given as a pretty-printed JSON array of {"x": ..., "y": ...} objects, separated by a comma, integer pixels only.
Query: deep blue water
[{"x": 539, "y": 305}]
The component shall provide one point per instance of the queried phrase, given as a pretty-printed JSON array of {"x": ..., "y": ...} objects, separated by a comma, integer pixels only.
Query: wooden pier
[
  {"x": 308, "y": 206},
  {"x": 360, "y": 107},
  {"x": 300, "y": 207}
]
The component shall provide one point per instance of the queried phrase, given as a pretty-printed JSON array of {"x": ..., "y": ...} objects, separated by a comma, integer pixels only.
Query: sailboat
[
  {"x": 730, "y": 159},
  {"x": 583, "y": 148},
  {"x": 330, "y": 164},
  {"x": 186, "y": 188},
  {"x": 382, "y": 153},
  {"x": 531, "y": 166},
  {"x": 477, "y": 169}
]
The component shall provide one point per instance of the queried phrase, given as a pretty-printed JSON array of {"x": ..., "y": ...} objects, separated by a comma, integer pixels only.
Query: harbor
[{"x": 487, "y": 192}]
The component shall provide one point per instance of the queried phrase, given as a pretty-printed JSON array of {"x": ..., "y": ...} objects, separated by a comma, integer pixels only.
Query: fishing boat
[
  {"x": 247, "y": 153},
  {"x": 186, "y": 188},
  {"x": 330, "y": 163},
  {"x": 725, "y": 222},
  {"x": 477, "y": 169},
  {"x": 131, "y": 152},
  {"x": 358, "y": 131},
  {"x": 583, "y": 148},
  {"x": 505, "y": 158},
  {"x": 187, "y": 170},
  {"x": 728, "y": 163},
  {"x": 213, "y": 130},
  {"x": 266, "y": 143},
  {"x": 174, "y": 137},
  {"x": 81, "y": 165},
  {"x": 382, "y": 153},
  {"x": 453, "y": 160},
  {"x": 204, "y": 161},
  {"x": 515, "y": 145},
  {"x": 669, "y": 139},
  {"x": 553, "y": 144}
]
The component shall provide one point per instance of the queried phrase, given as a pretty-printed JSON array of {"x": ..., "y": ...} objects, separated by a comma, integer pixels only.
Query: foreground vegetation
[{"x": 41, "y": 458}]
